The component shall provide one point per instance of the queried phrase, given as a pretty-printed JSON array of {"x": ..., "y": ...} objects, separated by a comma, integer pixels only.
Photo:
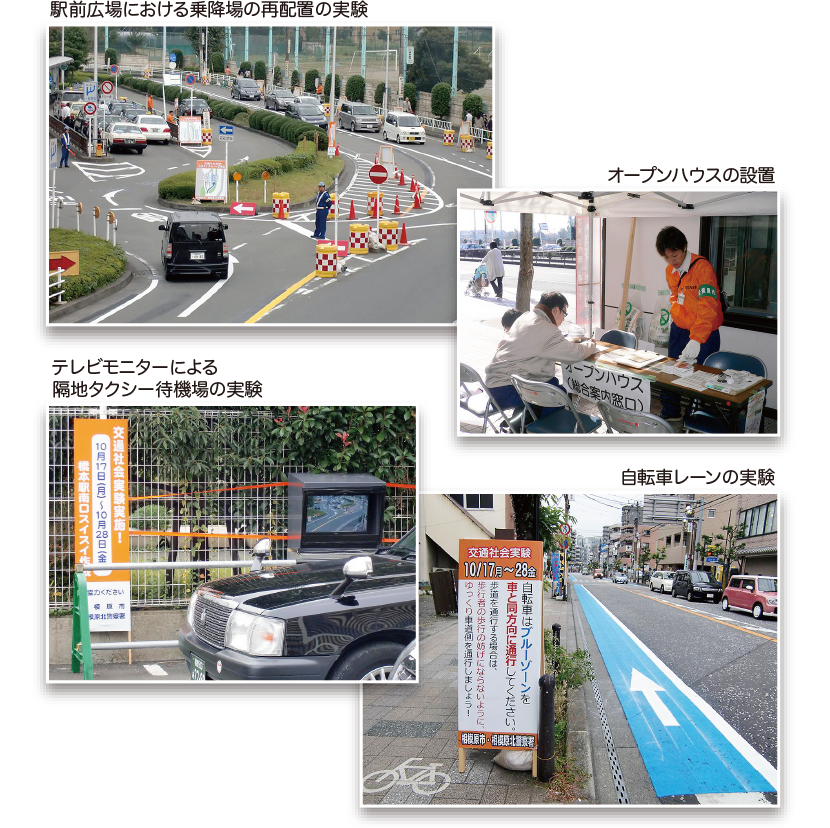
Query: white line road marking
[
  {"x": 435, "y": 157},
  {"x": 215, "y": 289},
  {"x": 155, "y": 670},
  {"x": 172, "y": 168},
  {"x": 143, "y": 293},
  {"x": 271, "y": 231},
  {"x": 239, "y": 245},
  {"x": 101, "y": 172},
  {"x": 303, "y": 231},
  {"x": 109, "y": 196}
]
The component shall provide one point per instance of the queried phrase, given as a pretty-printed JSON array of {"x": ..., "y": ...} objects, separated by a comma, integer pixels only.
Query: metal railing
[
  {"x": 58, "y": 283},
  {"x": 542, "y": 258}
]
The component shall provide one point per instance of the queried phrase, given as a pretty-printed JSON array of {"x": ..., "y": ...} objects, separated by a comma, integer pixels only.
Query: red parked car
[{"x": 757, "y": 594}]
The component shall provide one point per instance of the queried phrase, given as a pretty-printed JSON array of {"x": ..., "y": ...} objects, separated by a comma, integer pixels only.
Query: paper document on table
[
  {"x": 678, "y": 368},
  {"x": 631, "y": 358},
  {"x": 696, "y": 381}
]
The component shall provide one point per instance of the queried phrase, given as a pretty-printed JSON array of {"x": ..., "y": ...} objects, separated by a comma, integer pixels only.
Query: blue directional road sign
[
  {"x": 173, "y": 57},
  {"x": 687, "y": 747},
  {"x": 225, "y": 132}
]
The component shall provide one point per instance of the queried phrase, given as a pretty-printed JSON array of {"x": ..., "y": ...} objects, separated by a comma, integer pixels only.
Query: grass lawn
[
  {"x": 100, "y": 262},
  {"x": 300, "y": 184}
]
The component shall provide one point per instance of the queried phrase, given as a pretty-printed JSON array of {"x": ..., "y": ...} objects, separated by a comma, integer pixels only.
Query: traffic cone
[
  {"x": 402, "y": 180},
  {"x": 397, "y": 210},
  {"x": 352, "y": 214},
  {"x": 402, "y": 239},
  {"x": 282, "y": 210},
  {"x": 412, "y": 186},
  {"x": 417, "y": 205}
]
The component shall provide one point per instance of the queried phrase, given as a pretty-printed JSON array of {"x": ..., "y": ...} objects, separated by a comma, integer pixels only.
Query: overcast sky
[{"x": 593, "y": 511}]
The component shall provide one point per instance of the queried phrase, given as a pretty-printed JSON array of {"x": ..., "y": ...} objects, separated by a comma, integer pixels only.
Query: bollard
[
  {"x": 80, "y": 208},
  {"x": 374, "y": 203},
  {"x": 358, "y": 238},
  {"x": 280, "y": 205},
  {"x": 557, "y": 635},
  {"x": 467, "y": 143},
  {"x": 489, "y": 150},
  {"x": 326, "y": 259},
  {"x": 449, "y": 137},
  {"x": 545, "y": 761},
  {"x": 333, "y": 208},
  {"x": 388, "y": 234}
]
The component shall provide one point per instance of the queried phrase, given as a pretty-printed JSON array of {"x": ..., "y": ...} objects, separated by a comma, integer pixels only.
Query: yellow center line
[
  {"x": 284, "y": 295},
  {"x": 698, "y": 614}
]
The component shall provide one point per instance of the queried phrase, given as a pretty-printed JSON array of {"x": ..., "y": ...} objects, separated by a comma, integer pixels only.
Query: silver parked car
[{"x": 661, "y": 581}]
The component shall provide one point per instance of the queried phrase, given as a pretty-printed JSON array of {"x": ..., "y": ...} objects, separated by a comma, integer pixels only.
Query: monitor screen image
[{"x": 337, "y": 513}]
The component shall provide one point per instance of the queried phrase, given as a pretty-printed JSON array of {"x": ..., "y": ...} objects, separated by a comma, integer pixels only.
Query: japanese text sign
[
  {"x": 500, "y": 643},
  {"x": 595, "y": 382},
  {"x": 101, "y": 518}
]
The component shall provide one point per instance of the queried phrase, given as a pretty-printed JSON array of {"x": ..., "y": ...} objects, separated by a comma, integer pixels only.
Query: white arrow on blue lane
[{"x": 643, "y": 684}]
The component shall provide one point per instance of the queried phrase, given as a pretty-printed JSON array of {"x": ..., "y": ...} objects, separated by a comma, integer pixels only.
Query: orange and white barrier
[
  {"x": 333, "y": 208},
  {"x": 489, "y": 150},
  {"x": 374, "y": 203},
  {"x": 358, "y": 238},
  {"x": 449, "y": 137},
  {"x": 326, "y": 259},
  {"x": 207, "y": 138},
  {"x": 280, "y": 205},
  {"x": 388, "y": 234},
  {"x": 467, "y": 143},
  {"x": 327, "y": 109}
]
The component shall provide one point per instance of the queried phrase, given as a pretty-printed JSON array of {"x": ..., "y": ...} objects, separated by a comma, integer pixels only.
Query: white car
[
  {"x": 403, "y": 128},
  {"x": 122, "y": 135},
  {"x": 661, "y": 581},
  {"x": 154, "y": 127}
]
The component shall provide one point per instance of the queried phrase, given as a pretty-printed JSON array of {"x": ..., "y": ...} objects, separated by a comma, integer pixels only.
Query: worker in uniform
[
  {"x": 695, "y": 307},
  {"x": 323, "y": 207}
]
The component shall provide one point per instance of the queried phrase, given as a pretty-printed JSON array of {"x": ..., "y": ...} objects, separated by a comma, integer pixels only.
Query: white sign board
[
  {"x": 90, "y": 88},
  {"x": 211, "y": 180},
  {"x": 190, "y": 129},
  {"x": 500, "y": 643},
  {"x": 53, "y": 153},
  {"x": 596, "y": 382}
]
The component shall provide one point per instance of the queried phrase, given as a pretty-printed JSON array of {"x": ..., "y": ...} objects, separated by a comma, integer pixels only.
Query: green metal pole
[
  {"x": 363, "y": 52},
  {"x": 297, "y": 48},
  {"x": 81, "y": 658},
  {"x": 404, "y": 50},
  {"x": 454, "y": 61},
  {"x": 246, "y": 43},
  {"x": 328, "y": 49}
]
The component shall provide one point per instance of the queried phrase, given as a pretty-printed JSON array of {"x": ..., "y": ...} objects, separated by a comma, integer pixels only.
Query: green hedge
[
  {"x": 440, "y": 104},
  {"x": 100, "y": 262},
  {"x": 355, "y": 88}
]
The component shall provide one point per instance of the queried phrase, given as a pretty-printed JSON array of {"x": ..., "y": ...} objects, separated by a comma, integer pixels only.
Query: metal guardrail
[{"x": 542, "y": 258}]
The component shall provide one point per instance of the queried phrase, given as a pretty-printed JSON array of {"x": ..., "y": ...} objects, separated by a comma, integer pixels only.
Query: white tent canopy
[{"x": 621, "y": 204}]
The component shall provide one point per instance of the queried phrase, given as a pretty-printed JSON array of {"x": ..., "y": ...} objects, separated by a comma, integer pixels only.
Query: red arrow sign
[
  {"x": 243, "y": 208},
  {"x": 60, "y": 261},
  {"x": 378, "y": 174}
]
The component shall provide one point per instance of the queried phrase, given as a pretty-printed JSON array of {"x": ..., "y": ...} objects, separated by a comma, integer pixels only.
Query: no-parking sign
[
  {"x": 114, "y": 69},
  {"x": 190, "y": 79}
]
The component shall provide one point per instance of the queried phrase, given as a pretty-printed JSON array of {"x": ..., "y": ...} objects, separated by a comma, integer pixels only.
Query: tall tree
[
  {"x": 433, "y": 62},
  {"x": 525, "y": 261},
  {"x": 77, "y": 45}
]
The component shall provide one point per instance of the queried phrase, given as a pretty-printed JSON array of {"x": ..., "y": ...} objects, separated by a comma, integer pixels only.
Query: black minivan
[
  {"x": 194, "y": 244},
  {"x": 696, "y": 583}
]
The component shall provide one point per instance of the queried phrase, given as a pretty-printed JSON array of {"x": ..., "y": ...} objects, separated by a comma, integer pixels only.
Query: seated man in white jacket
[{"x": 532, "y": 348}]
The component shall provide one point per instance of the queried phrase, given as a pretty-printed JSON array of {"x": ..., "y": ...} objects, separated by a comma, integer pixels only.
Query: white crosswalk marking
[{"x": 101, "y": 172}]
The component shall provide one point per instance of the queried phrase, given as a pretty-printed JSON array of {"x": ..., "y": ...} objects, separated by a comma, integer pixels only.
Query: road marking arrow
[
  {"x": 109, "y": 197},
  {"x": 649, "y": 689}
]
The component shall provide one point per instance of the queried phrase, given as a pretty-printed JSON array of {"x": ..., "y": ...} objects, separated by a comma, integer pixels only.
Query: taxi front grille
[{"x": 210, "y": 621}]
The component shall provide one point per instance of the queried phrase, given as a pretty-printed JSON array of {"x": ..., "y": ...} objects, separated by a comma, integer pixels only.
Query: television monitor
[{"x": 335, "y": 513}]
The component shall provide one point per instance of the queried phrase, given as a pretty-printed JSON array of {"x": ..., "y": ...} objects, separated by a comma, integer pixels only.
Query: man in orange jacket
[{"x": 696, "y": 310}]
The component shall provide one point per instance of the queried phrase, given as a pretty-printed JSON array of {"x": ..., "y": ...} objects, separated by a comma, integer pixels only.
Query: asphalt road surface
[
  {"x": 270, "y": 259},
  {"x": 697, "y": 691}
]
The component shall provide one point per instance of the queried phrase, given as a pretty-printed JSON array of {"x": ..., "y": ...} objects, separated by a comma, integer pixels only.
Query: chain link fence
[{"x": 217, "y": 471}]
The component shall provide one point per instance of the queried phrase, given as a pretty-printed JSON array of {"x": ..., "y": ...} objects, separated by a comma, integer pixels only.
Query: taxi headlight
[{"x": 255, "y": 635}]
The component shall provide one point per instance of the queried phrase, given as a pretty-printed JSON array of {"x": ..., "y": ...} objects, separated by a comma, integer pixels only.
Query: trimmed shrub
[
  {"x": 327, "y": 86},
  {"x": 260, "y": 70},
  {"x": 379, "y": 90},
  {"x": 474, "y": 104},
  {"x": 277, "y": 79},
  {"x": 310, "y": 76},
  {"x": 179, "y": 58},
  {"x": 101, "y": 263},
  {"x": 217, "y": 63},
  {"x": 179, "y": 186},
  {"x": 411, "y": 91},
  {"x": 355, "y": 88},
  {"x": 110, "y": 56},
  {"x": 245, "y": 66},
  {"x": 441, "y": 95},
  {"x": 295, "y": 78}
]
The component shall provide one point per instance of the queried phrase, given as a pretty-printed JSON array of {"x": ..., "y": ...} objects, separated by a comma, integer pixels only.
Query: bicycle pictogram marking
[{"x": 425, "y": 780}]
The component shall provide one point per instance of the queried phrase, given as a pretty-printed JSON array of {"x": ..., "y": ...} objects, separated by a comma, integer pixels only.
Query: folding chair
[
  {"x": 620, "y": 421},
  {"x": 709, "y": 419},
  {"x": 624, "y": 338},
  {"x": 483, "y": 405},
  {"x": 563, "y": 419}
]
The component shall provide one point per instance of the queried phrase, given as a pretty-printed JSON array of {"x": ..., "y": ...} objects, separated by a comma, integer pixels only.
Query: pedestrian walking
[
  {"x": 66, "y": 114},
  {"x": 65, "y": 148},
  {"x": 323, "y": 207},
  {"x": 495, "y": 268}
]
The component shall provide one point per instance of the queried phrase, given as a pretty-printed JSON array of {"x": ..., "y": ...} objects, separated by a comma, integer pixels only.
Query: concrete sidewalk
[{"x": 417, "y": 724}]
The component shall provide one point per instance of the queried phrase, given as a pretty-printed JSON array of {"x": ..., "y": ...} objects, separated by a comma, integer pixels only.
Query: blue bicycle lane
[{"x": 686, "y": 746}]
